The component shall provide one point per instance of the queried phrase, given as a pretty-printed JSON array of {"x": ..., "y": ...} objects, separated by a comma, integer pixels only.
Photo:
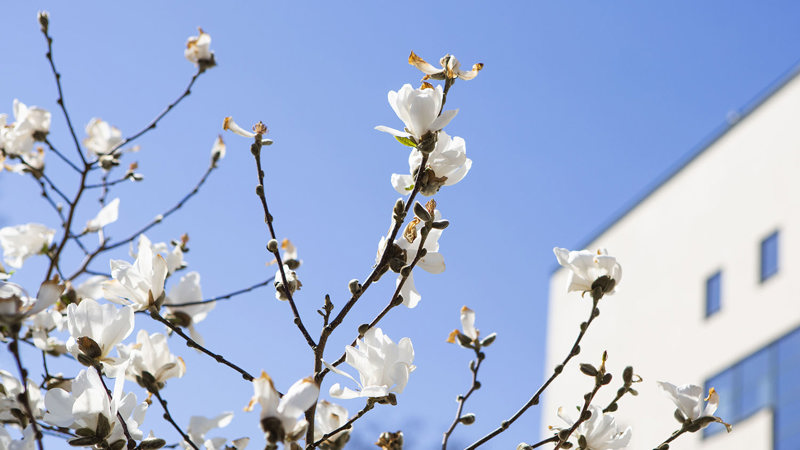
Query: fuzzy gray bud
[{"x": 272, "y": 246}]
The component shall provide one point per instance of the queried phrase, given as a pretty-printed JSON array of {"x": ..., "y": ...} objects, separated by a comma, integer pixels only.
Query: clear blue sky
[{"x": 579, "y": 109}]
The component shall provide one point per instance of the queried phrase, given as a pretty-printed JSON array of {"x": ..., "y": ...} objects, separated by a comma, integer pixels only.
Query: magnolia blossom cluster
[{"x": 17, "y": 138}]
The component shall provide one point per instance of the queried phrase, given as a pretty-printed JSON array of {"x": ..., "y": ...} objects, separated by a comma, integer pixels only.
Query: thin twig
[
  {"x": 474, "y": 366},
  {"x": 60, "y": 100},
  {"x": 557, "y": 371},
  {"x": 61, "y": 155},
  {"x": 13, "y": 346},
  {"x": 193, "y": 344},
  {"x": 106, "y": 184},
  {"x": 168, "y": 418},
  {"x": 161, "y": 115},
  {"x": 674, "y": 436},
  {"x": 583, "y": 416},
  {"x": 256, "y": 151},
  {"x": 222, "y": 297}
]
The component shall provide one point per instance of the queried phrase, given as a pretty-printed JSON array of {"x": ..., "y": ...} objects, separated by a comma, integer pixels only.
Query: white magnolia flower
[
  {"x": 419, "y": 111},
  {"x": 30, "y": 124},
  {"x": 32, "y": 162},
  {"x": 28, "y": 441},
  {"x": 107, "y": 215},
  {"x": 451, "y": 68},
  {"x": 23, "y": 241},
  {"x": 199, "y": 426},
  {"x": 692, "y": 403},
  {"x": 229, "y": 125},
  {"x": 328, "y": 417},
  {"x": 140, "y": 284},
  {"x": 16, "y": 305},
  {"x": 88, "y": 400},
  {"x": 101, "y": 138},
  {"x": 447, "y": 165},
  {"x": 600, "y": 430},
  {"x": 382, "y": 365},
  {"x": 41, "y": 325},
  {"x": 188, "y": 290},
  {"x": 198, "y": 50},
  {"x": 279, "y": 414},
  {"x": 151, "y": 354},
  {"x": 91, "y": 287},
  {"x": 9, "y": 397},
  {"x": 104, "y": 324},
  {"x": 586, "y": 267}
]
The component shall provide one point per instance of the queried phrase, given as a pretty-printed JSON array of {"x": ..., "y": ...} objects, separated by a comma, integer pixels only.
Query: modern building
[{"x": 709, "y": 295}]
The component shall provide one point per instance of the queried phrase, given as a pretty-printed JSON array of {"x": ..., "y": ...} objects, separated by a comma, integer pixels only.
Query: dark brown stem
[
  {"x": 168, "y": 418},
  {"x": 161, "y": 115},
  {"x": 674, "y": 436},
  {"x": 26, "y": 399},
  {"x": 556, "y": 372},
  {"x": 193, "y": 344},
  {"x": 68, "y": 224},
  {"x": 582, "y": 417},
  {"x": 474, "y": 367},
  {"x": 61, "y": 103},
  {"x": 256, "y": 150},
  {"x": 222, "y": 297}
]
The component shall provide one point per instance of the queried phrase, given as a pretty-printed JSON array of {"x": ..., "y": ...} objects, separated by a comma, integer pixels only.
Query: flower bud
[
  {"x": 44, "y": 20},
  {"x": 354, "y": 286},
  {"x": 467, "y": 419},
  {"x": 487, "y": 341},
  {"x": 362, "y": 329},
  {"x": 421, "y": 212},
  {"x": 441, "y": 224},
  {"x": 272, "y": 246},
  {"x": 588, "y": 369}
]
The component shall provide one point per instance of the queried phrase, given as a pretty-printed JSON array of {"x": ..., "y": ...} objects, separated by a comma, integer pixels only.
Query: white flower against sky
[
  {"x": 139, "y": 284},
  {"x": 151, "y": 354},
  {"x": 91, "y": 287},
  {"x": 28, "y": 441},
  {"x": 185, "y": 291},
  {"x": 16, "y": 305},
  {"x": 107, "y": 215},
  {"x": 328, "y": 417},
  {"x": 229, "y": 125},
  {"x": 88, "y": 400},
  {"x": 451, "y": 68},
  {"x": 101, "y": 137},
  {"x": 419, "y": 111},
  {"x": 447, "y": 165},
  {"x": 217, "y": 150},
  {"x": 198, "y": 50},
  {"x": 600, "y": 430},
  {"x": 23, "y": 241},
  {"x": 105, "y": 324},
  {"x": 30, "y": 124},
  {"x": 199, "y": 426},
  {"x": 382, "y": 365},
  {"x": 41, "y": 325},
  {"x": 586, "y": 267},
  {"x": 279, "y": 415},
  {"x": 32, "y": 162}
]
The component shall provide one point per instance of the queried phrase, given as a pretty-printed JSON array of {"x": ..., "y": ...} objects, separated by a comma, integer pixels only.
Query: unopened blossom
[
  {"x": 419, "y": 111},
  {"x": 468, "y": 331},
  {"x": 279, "y": 415},
  {"x": 107, "y": 215},
  {"x": 185, "y": 291},
  {"x": 198, "y": 51},
  {"x": 593, "y": 272},
  {"x": 16, "y": 305},
  {"x": 140, "y": 284},
  {"x": 23, "y": 241},
  {"x": 328, "y": 417},
  {"x": 451, "y": 68},
  {"x": 600, "y": 431},
  {"x": 217, "y": 150},
  {"x": 10, "y": 398},
  {"x": 87, "y": 401},
  {"x": 151, "y": 354},
  {"x": 104, "y": 325},
  {"x": 229, "y": 125},
  {"x": 383, "y": 366},
  {"x": 692, "y": 403},
  {"x": 447, "y": 165}
]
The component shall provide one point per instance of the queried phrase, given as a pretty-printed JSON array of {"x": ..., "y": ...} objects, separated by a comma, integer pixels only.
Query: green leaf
[{"x": 406, "y": 141}]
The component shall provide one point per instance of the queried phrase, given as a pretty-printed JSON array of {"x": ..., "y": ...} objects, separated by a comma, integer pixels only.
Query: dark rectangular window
[
  {"x": 769, "y": 256},
  {"x": 713, "y": 293}
]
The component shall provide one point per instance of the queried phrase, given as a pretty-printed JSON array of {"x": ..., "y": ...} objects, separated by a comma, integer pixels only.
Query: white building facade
[{"x": 710, "y": 293}]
